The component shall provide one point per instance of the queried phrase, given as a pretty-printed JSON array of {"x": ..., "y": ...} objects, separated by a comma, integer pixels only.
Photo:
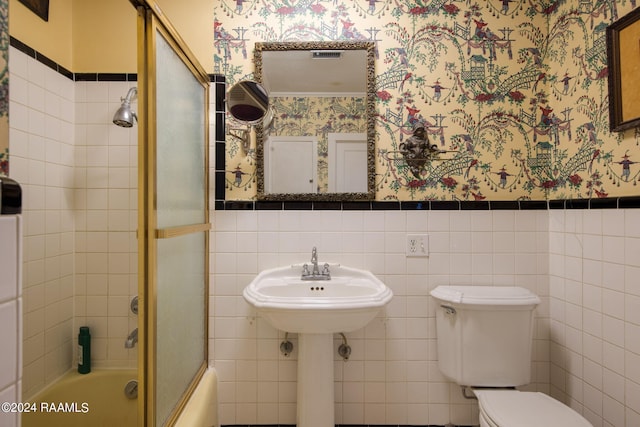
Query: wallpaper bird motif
[{"x": 513, "y": 93}]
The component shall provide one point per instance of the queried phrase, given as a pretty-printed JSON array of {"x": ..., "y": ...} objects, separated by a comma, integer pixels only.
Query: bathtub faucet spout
[{"x": 132, "y": 339}]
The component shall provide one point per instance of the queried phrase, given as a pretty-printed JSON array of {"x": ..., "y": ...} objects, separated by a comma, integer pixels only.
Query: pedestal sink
[{"x": 316, "y": 309}]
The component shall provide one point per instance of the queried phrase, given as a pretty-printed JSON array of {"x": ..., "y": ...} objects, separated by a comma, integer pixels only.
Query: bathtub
[
  {"x": 98, "y": 399},
  {"x": 94, "y": 399}
]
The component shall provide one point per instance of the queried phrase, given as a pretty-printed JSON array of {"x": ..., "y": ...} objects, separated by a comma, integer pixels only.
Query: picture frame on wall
[
  {"x": 39, "y": 7},
  {"x": 623, "y": 61}
]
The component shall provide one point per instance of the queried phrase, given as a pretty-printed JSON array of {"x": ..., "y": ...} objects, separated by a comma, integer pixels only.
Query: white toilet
[{"x": 485, "y": 334}]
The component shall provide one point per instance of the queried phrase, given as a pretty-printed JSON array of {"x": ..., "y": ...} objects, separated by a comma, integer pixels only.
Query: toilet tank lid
[{"x": 486, "y": 295}]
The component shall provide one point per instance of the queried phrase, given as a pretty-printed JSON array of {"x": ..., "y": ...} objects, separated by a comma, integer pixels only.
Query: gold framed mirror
[{"x": 321, "y": 142}]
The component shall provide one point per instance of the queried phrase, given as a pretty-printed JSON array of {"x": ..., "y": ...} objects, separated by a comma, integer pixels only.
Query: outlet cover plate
[{"x": 417, "y": 245}]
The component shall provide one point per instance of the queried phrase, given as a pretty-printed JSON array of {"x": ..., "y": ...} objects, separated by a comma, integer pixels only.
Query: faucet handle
[
  {"x": 325, "y": 269},
  {"x": 134, "y": 305}
]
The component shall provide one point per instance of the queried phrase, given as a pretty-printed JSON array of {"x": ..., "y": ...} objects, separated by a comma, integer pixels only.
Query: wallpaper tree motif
[{"x": 514, "y": 91}]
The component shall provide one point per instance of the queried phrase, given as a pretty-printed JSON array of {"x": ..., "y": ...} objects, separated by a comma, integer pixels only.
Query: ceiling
[{"x": 296, "y": 72}]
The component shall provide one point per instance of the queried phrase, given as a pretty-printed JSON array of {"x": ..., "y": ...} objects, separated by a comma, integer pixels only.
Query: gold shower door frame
[{"x": 152, "y": 22}]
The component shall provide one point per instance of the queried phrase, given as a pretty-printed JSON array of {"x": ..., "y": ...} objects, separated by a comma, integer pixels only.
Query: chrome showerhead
[{"x": 124, "y": 117}]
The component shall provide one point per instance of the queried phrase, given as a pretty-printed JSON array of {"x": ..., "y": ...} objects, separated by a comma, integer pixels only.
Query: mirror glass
[
  {"x": 320, "y": 144},
  {"x": 248, "y": 105},
  {"x": 248, "y": 102}
]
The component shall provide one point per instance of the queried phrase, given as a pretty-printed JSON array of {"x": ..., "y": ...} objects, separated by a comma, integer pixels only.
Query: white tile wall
[
  {"x": 106, "y": 219},
  {"x": 392, "y": 375},
  {"x": 10, "y": 314},
  {"x": 41, "y": 142},
  {"x": 595, "y": 301},
  {"x": 79, "y": 177}
]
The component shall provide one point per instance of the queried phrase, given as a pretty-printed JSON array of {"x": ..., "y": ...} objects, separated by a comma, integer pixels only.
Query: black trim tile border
[
  {"x": 625, "y": 202},
  {"x": 93, "y": 77},
  {"x": 76, "y": 77},
  {"x": 628, "y": 202}
]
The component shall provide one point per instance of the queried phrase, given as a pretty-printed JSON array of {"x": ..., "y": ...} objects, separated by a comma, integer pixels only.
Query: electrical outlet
[{"x": 417, "y": 245}]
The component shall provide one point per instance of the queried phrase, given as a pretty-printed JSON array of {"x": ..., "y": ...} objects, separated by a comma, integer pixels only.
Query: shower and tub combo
[
  {"x": 109, "y": 397},
  {"x": 175, "y": 387}
]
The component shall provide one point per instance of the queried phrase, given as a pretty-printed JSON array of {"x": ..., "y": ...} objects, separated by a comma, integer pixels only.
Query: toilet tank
[{"x": 485, "y": 334}]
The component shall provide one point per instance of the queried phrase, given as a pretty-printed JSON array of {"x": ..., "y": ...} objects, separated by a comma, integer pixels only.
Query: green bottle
[{"x": 84, "y": 350}]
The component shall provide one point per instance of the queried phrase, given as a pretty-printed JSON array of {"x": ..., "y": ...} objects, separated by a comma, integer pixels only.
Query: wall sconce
[{"x": 418, "y": 152}]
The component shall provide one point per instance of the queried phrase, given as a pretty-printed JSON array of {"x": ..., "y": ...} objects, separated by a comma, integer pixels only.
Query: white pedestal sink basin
[
  {"x": 316, "y": 309},
  {"x": 345, "y": 303}
]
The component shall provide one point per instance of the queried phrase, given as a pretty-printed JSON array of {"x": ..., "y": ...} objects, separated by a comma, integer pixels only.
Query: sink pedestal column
[{"x": 315, "y": 381}]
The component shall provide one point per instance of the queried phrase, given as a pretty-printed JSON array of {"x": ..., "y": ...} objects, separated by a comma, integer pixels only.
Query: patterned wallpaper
[
  {"x": 318, "y": 116},
  {"x": 4, "y": 88},
  {"x": 514, "y": 91}
]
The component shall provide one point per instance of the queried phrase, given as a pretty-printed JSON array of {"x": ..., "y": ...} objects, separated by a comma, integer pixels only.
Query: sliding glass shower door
[{"x": 173, "y": 219}]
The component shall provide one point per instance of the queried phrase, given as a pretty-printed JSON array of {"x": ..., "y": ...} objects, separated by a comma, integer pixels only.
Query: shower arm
[{"x": 127, "y": 99}]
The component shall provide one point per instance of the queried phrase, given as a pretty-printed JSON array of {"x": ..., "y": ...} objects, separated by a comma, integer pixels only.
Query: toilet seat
[{"x": 513, "y": 408}]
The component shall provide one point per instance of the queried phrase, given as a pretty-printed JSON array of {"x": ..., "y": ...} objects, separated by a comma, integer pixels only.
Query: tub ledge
[{"x": 201, "y": 409}]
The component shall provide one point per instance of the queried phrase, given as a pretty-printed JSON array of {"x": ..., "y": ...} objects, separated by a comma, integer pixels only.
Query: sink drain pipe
[
  {"x": 286, "y": 346},
  {"x": 345, "y": 349}
]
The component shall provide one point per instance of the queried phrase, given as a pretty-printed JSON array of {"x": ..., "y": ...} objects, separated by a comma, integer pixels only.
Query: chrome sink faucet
[
  {"x": 315, "y": 273},
  {"x": 314, "y": 261}
]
